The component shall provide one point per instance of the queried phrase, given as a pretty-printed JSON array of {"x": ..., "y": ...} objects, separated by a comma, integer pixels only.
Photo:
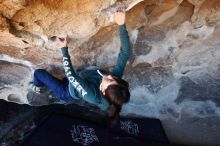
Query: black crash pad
[{"x": 62, "y": 130}]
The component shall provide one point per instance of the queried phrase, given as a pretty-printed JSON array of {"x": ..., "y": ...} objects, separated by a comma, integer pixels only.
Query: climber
[{"x": 105, "y": 90}]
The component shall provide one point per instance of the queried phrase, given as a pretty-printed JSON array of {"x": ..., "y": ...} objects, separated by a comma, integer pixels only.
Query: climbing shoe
[{"x": 34, "y": 88}]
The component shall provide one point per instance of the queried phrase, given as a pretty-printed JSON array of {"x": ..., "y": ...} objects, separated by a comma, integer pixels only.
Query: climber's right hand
[{"x": 119, "y": 16}]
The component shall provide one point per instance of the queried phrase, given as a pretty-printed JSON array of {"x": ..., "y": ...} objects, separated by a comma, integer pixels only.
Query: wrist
[
  {"x": 64, "y": 47},
  {"x": 121, "y": 24}
]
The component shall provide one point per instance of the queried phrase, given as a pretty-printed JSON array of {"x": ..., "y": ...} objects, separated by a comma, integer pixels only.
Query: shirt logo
[
  {"x": 71, "y": 78},
  {"x": 83, "y": 135}
]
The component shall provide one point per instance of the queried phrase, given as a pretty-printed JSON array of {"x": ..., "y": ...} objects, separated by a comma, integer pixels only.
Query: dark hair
[{"x": 116, "y": 95}]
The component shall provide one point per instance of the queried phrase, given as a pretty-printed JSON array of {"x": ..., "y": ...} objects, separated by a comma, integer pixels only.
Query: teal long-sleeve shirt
[{"x": 85, "y": 84}]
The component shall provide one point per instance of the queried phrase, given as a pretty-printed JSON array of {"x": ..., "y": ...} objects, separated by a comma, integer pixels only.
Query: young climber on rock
[{"x": 107, "y": 91}]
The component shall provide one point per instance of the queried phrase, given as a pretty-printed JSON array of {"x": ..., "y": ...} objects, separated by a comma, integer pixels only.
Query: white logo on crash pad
[
  {"x": 130, "y": 127},
  {"x": 83, "y": 134}
]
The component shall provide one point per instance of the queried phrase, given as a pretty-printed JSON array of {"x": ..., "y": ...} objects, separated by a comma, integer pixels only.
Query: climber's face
[{"x": 107, "y": 80}]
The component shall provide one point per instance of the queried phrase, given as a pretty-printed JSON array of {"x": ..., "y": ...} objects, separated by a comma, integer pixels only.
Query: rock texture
[{"x": 174, "y": 72}]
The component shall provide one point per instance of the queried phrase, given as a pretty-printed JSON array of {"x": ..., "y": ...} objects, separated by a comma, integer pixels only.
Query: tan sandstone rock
[{"x": 173, "y": 72}]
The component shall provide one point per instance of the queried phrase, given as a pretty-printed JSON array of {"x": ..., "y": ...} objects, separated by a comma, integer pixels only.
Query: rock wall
[{"x": 174, "y": 72}]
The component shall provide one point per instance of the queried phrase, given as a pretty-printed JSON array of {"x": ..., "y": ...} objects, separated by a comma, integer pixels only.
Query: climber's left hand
[{"x": 61, "y": 42}]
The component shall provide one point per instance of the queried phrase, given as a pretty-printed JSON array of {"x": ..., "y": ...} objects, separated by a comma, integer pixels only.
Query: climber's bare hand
[
  {"x": 61, "y": 42},
  {"x": 120, "y": 16}
]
